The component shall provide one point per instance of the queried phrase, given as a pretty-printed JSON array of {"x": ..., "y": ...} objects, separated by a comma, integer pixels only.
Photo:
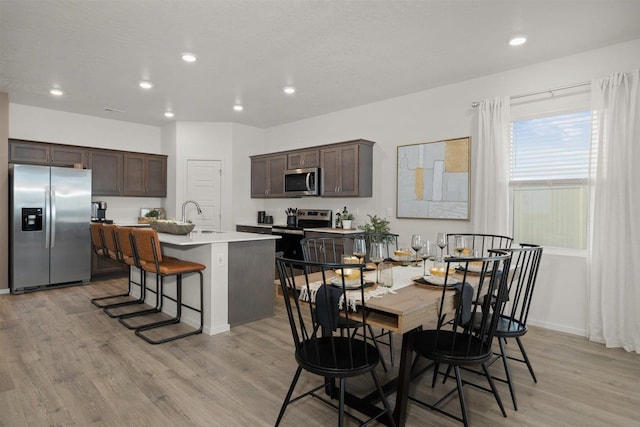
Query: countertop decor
[{"x": 172, "y": 227}]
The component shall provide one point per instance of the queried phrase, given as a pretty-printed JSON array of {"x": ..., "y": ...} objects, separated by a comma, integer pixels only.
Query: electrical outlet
[
  {"x": 389, "y": 212},
  {"x": 220, "y": 259},
  {"x": 357, "y": 211}
]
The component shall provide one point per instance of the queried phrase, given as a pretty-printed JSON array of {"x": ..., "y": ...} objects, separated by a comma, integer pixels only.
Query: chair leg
[
  {"x": 526, "y": 359},
  {"x": 391, "y": 357},
  {"x": 494, "y": 390},
  {"x": 463, "y": 406},
  {"x": 157, "y": 309},
  {"x": 343, "y": 385},
  {"x": 143, "y": 292},
  {"x": 288, "y": 397},
  {"x": 176, "y": 319},
  {"x": 375, "y": 343},
  {"x": 507, "y": 371},
  {"x": 95, "y": 301},
  {"x": 385, "y": 402}
]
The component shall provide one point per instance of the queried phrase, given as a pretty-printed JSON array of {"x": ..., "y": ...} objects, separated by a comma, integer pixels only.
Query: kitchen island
[{"x": 238, "y": 280}]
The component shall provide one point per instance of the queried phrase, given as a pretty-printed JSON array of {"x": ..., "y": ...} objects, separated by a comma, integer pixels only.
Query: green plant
[
  {"x": 346, "y": 216},
  {"x": 153, "y": 213},
  {"x": 376, "y": 226}
]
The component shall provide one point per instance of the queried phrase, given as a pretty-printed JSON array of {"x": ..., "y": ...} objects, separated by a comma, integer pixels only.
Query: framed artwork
[{"x": 433, "y": 180}]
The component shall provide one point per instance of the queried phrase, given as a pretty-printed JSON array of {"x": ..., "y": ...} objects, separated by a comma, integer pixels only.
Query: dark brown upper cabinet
[
  {"x": 303, "y": 159},
  {"x": 145, "y": 175},
  {"x": 38, "y": 153},
  {"x": 347, "y": 169},
  {"x": 106, "y": 172},
  {"x": 267, "y": 176}
]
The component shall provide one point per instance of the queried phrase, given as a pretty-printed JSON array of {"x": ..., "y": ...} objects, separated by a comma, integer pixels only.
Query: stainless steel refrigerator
[{"x": 50, "y": 211}]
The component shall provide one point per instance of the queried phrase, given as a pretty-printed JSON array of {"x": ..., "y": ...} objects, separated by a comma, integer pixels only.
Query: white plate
[
  {"x": 472, "y": 269},
  {"x": 438, "y": 280},
  {"x": 352, "y": 283}
]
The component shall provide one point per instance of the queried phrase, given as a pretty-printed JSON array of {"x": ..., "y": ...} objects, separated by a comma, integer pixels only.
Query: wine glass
[
  {"x": 376, "y": 256},
  {"x": 426, "y": 252},
  {"x": 442, "y": 243},
  {"x": 416, "y": 244},
  {"x": 359, "y": 248},
  {"x": 458, "y": 245}
]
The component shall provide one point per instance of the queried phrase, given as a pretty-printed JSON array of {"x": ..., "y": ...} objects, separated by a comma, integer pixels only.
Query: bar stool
[
  {"x": 104, "y": 244},
  {"x": 128, "y": 255},
  {"x": 151, "y": 260}
]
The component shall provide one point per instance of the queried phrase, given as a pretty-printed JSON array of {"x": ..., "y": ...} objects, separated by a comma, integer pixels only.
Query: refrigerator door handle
[
  {"x": 53, "y": 215},
  {"x": 47, "y": 215}
]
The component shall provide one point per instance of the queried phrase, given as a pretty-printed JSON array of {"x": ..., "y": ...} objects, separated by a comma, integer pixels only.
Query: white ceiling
[{"x": 337, "y": 53}]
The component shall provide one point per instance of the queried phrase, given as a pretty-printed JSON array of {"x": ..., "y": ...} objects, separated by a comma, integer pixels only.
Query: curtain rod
[{"x": 475, "y": 104}]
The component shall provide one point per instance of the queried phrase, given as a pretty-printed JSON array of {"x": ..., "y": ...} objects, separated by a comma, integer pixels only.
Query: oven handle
[{"x": 286, "y": 231}]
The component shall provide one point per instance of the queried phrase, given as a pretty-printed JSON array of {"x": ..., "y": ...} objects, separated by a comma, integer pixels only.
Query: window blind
[{"x": 552, "y": 148}]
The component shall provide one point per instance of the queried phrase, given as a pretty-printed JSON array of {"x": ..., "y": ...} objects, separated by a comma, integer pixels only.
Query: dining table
[{"x": 405, "y": 308}]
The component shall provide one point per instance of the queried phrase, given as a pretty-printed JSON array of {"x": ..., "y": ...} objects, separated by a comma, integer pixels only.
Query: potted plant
[
  {"x": 376, "y": 226},
  {"x": 346, "y": 219}
]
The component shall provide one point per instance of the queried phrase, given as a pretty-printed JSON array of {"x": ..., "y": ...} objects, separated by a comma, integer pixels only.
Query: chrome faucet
[{"x": 184, "y": 208}]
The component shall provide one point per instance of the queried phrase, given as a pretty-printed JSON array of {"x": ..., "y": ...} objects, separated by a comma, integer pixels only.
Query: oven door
[{"x": 289, "y": 242}]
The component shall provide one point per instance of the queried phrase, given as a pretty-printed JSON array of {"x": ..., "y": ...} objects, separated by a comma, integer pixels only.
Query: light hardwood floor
[{"x": 63, "y": 362}]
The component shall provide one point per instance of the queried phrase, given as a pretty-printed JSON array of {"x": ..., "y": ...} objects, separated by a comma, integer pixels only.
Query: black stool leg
[{"x": 140, "y": 331}]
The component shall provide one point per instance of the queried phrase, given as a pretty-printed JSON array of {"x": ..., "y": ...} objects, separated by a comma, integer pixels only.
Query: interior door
[{"x": 203, "y": 186}]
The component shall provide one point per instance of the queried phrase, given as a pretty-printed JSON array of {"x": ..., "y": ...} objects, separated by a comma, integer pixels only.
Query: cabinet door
[
  {"x": 330, "y": 171},
  {"x": 156, "y": 176},
  {"x": 106, "y": 175},
  {"x": 134, "y": 175},
  {"x": 28, "y": 152},
  {"x": 62, "y": 155},
  {"x": 348, "y": 165},
  {"x": 259, "y": 178},
  {"x": 277, "y": 166},
  {"x": 303, "y": 159}
]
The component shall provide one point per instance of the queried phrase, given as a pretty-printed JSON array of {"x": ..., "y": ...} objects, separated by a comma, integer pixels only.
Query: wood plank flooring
[{"x": 63, "y": 362}]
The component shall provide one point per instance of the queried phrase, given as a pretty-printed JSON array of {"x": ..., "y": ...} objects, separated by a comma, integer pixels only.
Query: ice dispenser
[{"x": 31, "y": 219}]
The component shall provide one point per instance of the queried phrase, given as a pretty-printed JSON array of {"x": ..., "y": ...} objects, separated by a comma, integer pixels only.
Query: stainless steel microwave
[{"x": 302, "y": 182}]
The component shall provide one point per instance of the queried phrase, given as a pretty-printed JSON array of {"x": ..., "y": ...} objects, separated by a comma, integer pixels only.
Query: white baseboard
[
  {"x": 4, "y": 291},
  {"x": 558, "y": 327}
]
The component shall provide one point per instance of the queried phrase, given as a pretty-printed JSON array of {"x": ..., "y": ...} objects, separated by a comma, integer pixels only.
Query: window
[{"x": 548, "y": 179}]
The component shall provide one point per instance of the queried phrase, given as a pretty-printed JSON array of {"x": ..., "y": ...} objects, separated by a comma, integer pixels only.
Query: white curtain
[
  {"x": 614, "y": 273},
  {"x": 490, "y": 206}
]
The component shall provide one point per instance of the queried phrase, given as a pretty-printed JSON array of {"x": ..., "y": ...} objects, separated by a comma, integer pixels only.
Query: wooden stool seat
[{"x": 172, "y": 266}]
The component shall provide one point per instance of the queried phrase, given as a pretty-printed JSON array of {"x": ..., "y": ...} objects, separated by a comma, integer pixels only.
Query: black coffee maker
[{"x": 98, "y": 211}]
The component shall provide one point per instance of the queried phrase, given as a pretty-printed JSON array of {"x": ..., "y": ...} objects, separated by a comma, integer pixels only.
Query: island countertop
[{"x": 204, "y": 237}]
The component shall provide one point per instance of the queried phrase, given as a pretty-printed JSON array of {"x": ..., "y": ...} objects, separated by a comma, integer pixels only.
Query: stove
[{"x": 291, "y": 235}]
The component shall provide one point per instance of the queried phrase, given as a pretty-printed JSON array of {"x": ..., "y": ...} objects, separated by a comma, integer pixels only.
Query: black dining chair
[
  {"x": 513, "y": 318},
  {"x": 466, "y": 325},
  {"x": 314, "y": 309},
  {"x": 330, "y": 250},
  {"x": 479, "y": 242}
]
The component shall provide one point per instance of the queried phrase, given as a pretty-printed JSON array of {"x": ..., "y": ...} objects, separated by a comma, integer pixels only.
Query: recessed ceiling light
[
  {"x": 238, "y": 107},
  {"x": 145, "y": 84},
  {"x": 189, "y": 57},
  {"x": 517, "y": 41},
  {"x": 56, "y": 92},
  {"x": 289, "y": 90},
  {"x": 169, "y": 114}
]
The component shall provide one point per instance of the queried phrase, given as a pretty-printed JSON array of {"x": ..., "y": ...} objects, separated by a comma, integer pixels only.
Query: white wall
[
  {"x": 444, "y": 113},
  {"x": 40, "y": 124},
  {"x": 247, "y": 141}
]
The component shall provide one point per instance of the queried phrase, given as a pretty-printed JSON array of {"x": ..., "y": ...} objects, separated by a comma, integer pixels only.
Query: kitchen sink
[{"x": 207, "y": 231}]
